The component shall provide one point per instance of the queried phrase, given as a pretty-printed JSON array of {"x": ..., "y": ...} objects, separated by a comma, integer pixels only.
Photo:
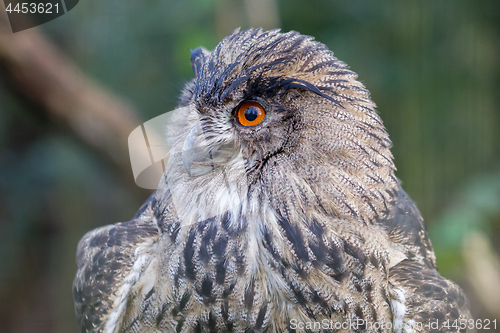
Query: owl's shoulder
[
  {"x": 421, "y": 296},
  {"x": 110, "y": 259},
  {"x": 429, "y": 300}
]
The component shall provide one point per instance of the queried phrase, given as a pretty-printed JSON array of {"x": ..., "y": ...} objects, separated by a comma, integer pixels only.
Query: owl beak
[{"x": 195, "y": 148}]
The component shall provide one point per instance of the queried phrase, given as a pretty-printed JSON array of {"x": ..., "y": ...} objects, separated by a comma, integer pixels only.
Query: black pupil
[{"x": 251, "y": 113}]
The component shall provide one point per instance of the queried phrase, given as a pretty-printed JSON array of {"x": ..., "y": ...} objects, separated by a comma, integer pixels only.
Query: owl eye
[{"x": 251, "y": 114}]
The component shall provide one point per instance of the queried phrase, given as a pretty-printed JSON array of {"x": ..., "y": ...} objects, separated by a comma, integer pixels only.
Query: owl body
[{"x": 278, "y": 211}]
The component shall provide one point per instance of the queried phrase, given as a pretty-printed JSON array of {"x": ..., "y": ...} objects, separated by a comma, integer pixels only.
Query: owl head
[{"x": 276, "y": 120}]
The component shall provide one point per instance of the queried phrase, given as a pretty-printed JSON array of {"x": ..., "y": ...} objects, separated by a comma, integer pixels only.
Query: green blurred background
[{"x": 432, "y": 67}]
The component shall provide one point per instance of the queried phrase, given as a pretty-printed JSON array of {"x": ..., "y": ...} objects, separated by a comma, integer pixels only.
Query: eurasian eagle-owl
[{"x": 278, "y": 211}]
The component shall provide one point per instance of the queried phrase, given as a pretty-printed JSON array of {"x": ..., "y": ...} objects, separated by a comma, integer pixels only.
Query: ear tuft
[{"x": 198, "y": 57}]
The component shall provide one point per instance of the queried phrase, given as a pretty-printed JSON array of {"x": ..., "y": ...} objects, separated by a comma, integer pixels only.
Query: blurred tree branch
[
  {"x": 483, "y": 271},
  {"x": 468, "y": 222},
  {"x": 46, "y": 76}
]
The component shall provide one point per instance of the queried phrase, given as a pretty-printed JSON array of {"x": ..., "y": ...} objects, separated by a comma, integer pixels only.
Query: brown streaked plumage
[{"x": 295, "y": 221}]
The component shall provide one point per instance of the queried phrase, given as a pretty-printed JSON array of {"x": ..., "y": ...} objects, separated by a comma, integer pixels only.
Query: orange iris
[{"x": 251, "y": 114}]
